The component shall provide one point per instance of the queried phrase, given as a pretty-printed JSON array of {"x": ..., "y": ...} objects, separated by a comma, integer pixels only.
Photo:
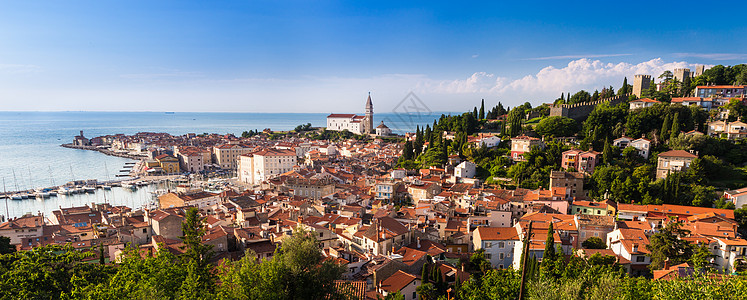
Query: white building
[
  {"x": 383, "y": 130},
  {"x": 227, "y": 155},
  {"x": 738, "y": 197},
  {"x": 643, "y": 146},
  {"x": 191, "y": 160},
  {"x": 727, "y": 251},
  {"x": 25, "y": 230},
  {"x": 398, "y": 173},
  {"x": 498, "y": 244},
  {"x": 642, "y": 103},
  {"x": 631, "y": 244},
  {"x": 491, "y": 141},
  {"x": 466, "y": 169},
  {"x": 351, "y": 122},
  {"x": 259, "y": 166}
]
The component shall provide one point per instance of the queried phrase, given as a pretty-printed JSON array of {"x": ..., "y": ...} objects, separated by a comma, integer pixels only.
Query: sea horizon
[{"x": 31, "y": 156}]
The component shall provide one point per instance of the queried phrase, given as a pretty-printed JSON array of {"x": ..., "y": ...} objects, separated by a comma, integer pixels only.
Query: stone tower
[
  {"x": 640, "y": 84},
  {"x": 368, "y": 121},
  {"x": 681, "y": 73}
]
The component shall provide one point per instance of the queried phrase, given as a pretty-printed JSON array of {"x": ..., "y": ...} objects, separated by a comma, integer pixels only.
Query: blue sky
[{"x": 324, "y": 56}]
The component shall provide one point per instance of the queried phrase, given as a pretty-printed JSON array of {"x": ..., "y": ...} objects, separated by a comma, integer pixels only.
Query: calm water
[{"x": 30, "y": 155}]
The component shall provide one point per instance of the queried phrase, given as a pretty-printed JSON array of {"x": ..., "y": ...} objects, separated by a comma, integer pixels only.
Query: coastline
[{"x": 104, "y": 151}]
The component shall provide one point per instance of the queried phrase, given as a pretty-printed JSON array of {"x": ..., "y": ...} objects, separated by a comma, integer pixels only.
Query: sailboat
[
  {"x": 51, "y": 192},
  {"x": 18, "y": 195},
  {"x": 106, "y": 186}
]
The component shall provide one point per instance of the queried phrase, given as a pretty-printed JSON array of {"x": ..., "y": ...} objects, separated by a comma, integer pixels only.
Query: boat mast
[
  {"x": 51, "y": 179},
  {"x": 15, "y": 180},
  {"x": 7, "y": 213},
  {"x": 31, "y": 185}
]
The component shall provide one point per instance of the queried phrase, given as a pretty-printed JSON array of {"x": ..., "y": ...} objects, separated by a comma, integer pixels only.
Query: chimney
[{"x": 635, "y": 248}]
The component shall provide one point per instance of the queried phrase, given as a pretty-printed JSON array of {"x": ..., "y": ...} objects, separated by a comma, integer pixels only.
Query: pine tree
[
  {"x": 665, "y": 128},
  {"x": 482, "y": 110},
  {"x": 675, "y": 126}
]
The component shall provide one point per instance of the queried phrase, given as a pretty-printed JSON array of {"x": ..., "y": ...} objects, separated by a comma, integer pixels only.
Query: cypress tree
[
  {"x": 474, "y": 113},
  {"x": 549, "y": 255},
  {"x": 675, "y": 125},
  {"x": 424, "y": 273},
  {"x": 665, "y": 128},
  {"x": 624, "y": 89},
  {"x": 407, "y": 151},
  {"x": 607, "y": 154},
  {"x": 482, "y": 110}
]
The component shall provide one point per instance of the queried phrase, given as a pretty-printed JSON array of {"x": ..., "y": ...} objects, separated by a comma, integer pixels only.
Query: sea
[{"x": 31, "y": 156}]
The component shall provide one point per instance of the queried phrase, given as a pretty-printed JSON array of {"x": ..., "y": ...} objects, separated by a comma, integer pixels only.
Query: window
[
  {"x": 501, "y": 244},
  {"x": 500, "y": 266},
  {"x": 145, "y": 230},
  {"x": 414, "y": 295},
  {"x": 640, "y": 258},
  {"x": 500, "y": 255}
]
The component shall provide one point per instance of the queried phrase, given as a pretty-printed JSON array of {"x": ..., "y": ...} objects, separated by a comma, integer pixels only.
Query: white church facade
[{"x": 352, "y": 122}]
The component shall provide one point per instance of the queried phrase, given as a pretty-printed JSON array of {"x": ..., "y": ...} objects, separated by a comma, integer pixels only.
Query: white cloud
[{"x": 549, "y": 82}]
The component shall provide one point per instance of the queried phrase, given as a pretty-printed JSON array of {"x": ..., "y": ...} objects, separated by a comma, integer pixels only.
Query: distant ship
[{"x": 169, "y": 112}]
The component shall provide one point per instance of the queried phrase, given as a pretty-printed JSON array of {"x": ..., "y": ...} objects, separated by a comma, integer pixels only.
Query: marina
[{"x": 135, "y": 193}]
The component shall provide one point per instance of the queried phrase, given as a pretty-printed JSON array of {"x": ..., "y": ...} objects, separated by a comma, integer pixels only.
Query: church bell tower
[{"x": 369, "y": 115}]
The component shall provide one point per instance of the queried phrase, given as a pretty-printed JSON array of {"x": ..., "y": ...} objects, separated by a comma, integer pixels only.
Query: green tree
[
  {"x": 296, "y": 271},
  {"x": 675, "y": 126},
  {"x": 594, "y": 243},
  {"x": 701, "y": 259},
  {"x": 666, "y": 244},
  {"x": 5, "y": 246},
  {"x": 548, "y": 256},
  {"x": 200, "y": 281},
  {"x": 557, "y": 126},
  {"x": 482, "y": 110},
  {"x": 47, "y": 272},
  {"x": 607, "y": 153},
  {"x": 664, "y": 133},
  {"x": 496, "y": 284},
  {"x": 478, "y": 262}
]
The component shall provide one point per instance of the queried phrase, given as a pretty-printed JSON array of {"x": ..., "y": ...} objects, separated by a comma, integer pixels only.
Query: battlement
[{"x": 580, "y": 111}]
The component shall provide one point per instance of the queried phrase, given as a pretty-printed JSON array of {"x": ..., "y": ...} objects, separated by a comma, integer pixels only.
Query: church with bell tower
[{"x": 352, "y": 122}]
